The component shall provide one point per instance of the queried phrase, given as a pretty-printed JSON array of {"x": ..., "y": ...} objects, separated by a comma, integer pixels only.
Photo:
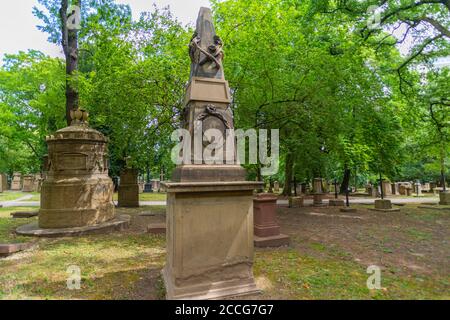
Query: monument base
[
  {"x": 117, "y": 224},
  {"x": 156, "y": 228},
  {"x": 384, "y": 205},
  {"x": 336, "y": 203},
  {"x": 280, "y": 240},
  {"x": 24, "y": 214},
  {"x": 209, "y": 240},
  {"x": 295, "y": 202},
  {"x": 211, "y": 291}
]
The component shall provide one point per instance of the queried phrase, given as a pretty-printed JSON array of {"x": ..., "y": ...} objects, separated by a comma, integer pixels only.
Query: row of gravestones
[
  {"x": 402, "y": 188},
  {"x": 27, "y": 183},
  {"x": 319, "y": 186}
]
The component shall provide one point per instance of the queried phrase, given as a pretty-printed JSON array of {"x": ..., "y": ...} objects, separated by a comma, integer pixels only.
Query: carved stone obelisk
[{"x": 209, "y": 206}]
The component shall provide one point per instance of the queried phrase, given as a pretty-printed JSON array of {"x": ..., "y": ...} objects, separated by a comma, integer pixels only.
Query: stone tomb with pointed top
[{"x": 209, "y": 207}]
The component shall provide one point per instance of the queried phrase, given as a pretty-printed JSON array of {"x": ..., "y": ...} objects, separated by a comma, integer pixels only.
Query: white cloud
[{"x": 18, "y": 30}]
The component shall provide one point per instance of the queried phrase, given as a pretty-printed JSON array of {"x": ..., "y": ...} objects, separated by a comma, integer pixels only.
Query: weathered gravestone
[
  {"x": 129, "y": 188},
  {"x": 76, "y": 196},
  {"x": 156, "y": 185},
  {"x": 209, "y": 206},
  {"x": 387, "y": 188},
  {"x": 28, "y": 183},
  {"x": 37, "y": 182},
  {"x": 394, "y": 189},
  {"x": 16, "y": 183}
]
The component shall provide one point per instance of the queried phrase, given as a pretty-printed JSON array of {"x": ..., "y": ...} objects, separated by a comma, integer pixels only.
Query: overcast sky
[{"x": 18, "y": 30}]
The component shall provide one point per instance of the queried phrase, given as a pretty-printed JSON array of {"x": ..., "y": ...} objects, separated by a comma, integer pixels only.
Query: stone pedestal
[
  {"x": 383, "y": 205},
  {"x": 28, "y": 183},
  {"x": 16, "y": 183},
  {"x": 336, "y": 203},
  {"x": 3, "y": 182},
  {"x": 77, "y": 191},
  {"x": 129, "y": 189},
  {"x": 318, "y": 200},
  {"x": 295, "y": 202},
  {"x": 444, "y": 197},
  {"x": 267, "y": 230},
  {"x": 209, "y": 240}
]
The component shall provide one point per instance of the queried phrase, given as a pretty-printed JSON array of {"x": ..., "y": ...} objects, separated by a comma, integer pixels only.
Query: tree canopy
[{"x": 347, "y": 102}]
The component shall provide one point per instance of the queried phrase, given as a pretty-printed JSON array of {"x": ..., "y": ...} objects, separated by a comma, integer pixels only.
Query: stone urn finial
[{"x": 79, "y": 117}]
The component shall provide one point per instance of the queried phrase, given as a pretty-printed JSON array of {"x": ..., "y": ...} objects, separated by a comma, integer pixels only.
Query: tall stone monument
[
  {"x": 209, "y": 206},
  {"x": 77, "y": 194},
  {"x": 78, "y": 191}
]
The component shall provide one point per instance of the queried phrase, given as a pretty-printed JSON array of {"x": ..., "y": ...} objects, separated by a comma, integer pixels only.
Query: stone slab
[
  {"x": 24, "y": 214},
  {"x": 385, "y": 210},
  {"x": 336, "y": 203},
  {"x": 147, "y": 214},
  {"x": 11, "y": 248},
  {"x": 156, "y": 228},
  {"x": 117, "y": 224},
  {"x": 280, "y": 240}
]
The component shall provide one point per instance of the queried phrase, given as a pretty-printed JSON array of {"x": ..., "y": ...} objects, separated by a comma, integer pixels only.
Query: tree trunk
[
  {"x": 288, "y": 171},
  {"x": 442, "y": 162},
  {"x": 70, "y": 47},
  {"x": 345, "y": 180}
]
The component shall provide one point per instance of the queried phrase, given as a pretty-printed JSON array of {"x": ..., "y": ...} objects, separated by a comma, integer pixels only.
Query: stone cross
[{"x": 205, "y": 48}]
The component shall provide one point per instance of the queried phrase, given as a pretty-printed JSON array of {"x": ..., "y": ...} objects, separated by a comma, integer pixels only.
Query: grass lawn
[
  {"x": 327, "y": 258},
  {"x": 148, "y": 196},
  {"x": 11, "y": 195},
  {"x": 36, "y": 196},
  {"x": 8, "y": 225}
]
